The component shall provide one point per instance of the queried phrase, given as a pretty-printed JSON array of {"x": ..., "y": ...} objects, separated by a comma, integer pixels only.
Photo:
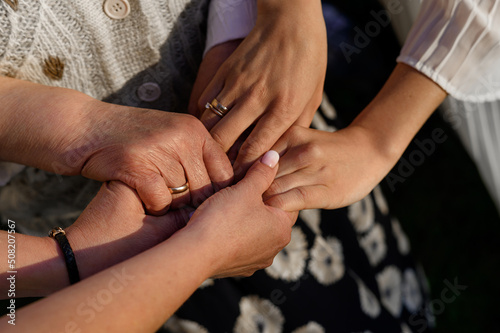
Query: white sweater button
[
  {"x": 116, "y": 9},
  {"x": 149, "y": 92}
]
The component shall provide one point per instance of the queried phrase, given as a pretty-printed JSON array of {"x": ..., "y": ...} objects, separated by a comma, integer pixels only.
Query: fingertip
[{"x": 270, "y": 158}]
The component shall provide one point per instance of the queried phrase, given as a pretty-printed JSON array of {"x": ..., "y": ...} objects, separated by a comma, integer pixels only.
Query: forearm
[
  {"x": 294, "y": 18},
  {"x": 40, "y": 264},
  {"x": 39, "y": 269},
  {"x": 40, "y": 124},
  {"x": 399, "y": 110},
  {"x": 155, "y": 282}
]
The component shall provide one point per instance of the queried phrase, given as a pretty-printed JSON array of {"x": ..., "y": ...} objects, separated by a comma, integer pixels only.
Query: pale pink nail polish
[{"x": 270, "y": 158}]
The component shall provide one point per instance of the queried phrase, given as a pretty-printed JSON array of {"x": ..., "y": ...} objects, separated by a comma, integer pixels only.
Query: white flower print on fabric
[
  {"x": 176, "y": 325},
  {"x": 362, "y": 214},
  {"x": 401, "y": 238},
  {"x": 206, "y": 283},
  {"x": 311, "y": 327},
  {"x": 389, "y": 284},
  {"x": 369, "y": 303},
  {"x": 258, "y": 315},
  {"x": 312, "y": 218},
  {"x": 374, "y": 244},
  {"x": 378, "y": 195},
  {"x": 327, "y": 260},
  {"x": 289, "y": 263},
  {"x": 412, "y": 297}
]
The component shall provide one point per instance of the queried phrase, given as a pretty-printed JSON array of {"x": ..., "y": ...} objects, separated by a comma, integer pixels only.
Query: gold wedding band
[
  {"x": 180, "y": 189},
  {"x": 217, "y": 108}
]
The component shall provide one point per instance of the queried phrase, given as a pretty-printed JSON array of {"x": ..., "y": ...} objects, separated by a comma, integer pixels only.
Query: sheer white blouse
[{"x": 456, "y": 43}]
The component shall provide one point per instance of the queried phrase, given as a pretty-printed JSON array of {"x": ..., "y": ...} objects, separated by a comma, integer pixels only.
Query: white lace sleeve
[
  {"x": 229, "y": 19},
  {"x": 457, "y": 44}
]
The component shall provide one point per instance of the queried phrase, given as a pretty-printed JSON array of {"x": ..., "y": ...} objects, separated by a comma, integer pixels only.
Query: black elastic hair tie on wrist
[{"x": 69, "y": 257}]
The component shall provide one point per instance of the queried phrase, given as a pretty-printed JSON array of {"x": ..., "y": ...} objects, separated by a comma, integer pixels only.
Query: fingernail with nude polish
[{"x": 270, "y": 158}]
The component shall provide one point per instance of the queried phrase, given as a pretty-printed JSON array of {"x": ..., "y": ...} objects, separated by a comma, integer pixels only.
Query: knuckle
[
  {"x": 295, "y": 133},
  {"x": 218, "y": 136},
  {"x": 276, "y": 202},
  {"x": 189, "y": 124},
  {"x": 285, "y": 107},
  {"x": 253, "y": 148},
  {"x": 268, "y": 263},
  {"x": 264, "y": 264},
  {"x": 194, "y": 124},
  {"x": 312, "y": 151},
  {"x": 275, "y": 188},
  {"x": 301, "y": 194},
  {"x": 286, "y": 237},
  {"x": 258, "y": 91},
  {"x": 248, "y": 273}
]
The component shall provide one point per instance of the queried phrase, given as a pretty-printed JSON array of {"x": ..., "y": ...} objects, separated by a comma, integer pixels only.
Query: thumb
[{"x": 261, "y": 175}]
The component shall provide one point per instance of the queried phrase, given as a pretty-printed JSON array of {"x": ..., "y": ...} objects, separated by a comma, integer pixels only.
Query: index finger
[{"x": 266, "y": 133}]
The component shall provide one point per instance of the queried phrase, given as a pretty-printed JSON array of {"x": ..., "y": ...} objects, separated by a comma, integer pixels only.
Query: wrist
[
  {"x": 279, "y": 6},
  {"x": 201, "y": 253},
  {"x": 95, "y": 251},
  {"x": 41, "y": 268},
  {"x": 399, "y": 110},
  {"x": 86, "y": 137},
  {"x": 206, "y": 248},
  {"x": 382, "y": 150},
  {"x": 39, "y": 122},
  {"x": 299, "y": 23}
]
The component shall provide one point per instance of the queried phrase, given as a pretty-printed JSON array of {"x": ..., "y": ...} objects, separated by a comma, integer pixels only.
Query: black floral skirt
[{"x": 344, "y": 270}]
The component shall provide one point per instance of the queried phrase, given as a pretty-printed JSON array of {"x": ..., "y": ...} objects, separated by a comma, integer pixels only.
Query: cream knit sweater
[
  {"x": 74, "y": 44},
  {"x": 160, "y": 41}
]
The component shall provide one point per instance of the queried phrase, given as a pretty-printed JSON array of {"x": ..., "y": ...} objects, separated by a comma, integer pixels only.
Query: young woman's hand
[
  {"x": 331, "y": 170},
  {"x": 272, "y": 80},
  {"x": 325, "y": 170}
]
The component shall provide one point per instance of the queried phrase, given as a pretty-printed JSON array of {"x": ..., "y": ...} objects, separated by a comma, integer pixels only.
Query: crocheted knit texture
[{"x": 160, "y": 41}]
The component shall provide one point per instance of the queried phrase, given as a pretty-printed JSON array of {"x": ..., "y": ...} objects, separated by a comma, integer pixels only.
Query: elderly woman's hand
[
  {"x": 273, "y": 79},
  {"x": 152, "y": 151},
  {"x": 67, "y": 132},
  {"x": 242, "y": 234}
]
